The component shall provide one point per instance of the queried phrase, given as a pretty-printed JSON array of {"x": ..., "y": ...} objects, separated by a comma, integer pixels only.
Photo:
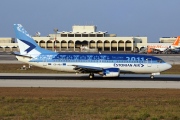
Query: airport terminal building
[{"x": 80, "y": 36}]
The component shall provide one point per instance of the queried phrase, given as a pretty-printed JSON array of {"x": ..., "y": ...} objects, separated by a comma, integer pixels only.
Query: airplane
[
  {"x": 106, "y": 65},
  {"x": 161, "y": 48}
]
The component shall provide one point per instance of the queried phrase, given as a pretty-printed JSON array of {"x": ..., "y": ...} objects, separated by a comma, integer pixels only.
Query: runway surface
[{"x": 82, "y": 81}]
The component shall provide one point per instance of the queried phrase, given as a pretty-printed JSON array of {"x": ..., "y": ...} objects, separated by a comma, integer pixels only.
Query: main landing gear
[
  {"x": 152, "y": 76},
  {"x": 91, "y": 75}
]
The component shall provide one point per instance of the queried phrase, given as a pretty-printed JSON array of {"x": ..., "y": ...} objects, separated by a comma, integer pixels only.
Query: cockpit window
[{"x": 160, "y": 61}]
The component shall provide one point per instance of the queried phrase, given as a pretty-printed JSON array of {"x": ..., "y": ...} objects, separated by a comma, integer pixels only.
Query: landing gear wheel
[
  {"x": 152, "y": 76},
  {"x": 91, "y": 75}
]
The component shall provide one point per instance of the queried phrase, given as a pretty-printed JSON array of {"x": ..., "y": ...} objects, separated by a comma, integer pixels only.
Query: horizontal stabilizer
[{"x": 18, "y": 54}]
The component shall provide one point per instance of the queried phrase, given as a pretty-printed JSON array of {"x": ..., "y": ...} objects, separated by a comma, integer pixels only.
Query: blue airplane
[{"x": 106, "y": 65}]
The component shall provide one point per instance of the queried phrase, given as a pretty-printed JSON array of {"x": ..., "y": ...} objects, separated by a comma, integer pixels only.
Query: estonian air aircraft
[{"x": 106, "y": 65}]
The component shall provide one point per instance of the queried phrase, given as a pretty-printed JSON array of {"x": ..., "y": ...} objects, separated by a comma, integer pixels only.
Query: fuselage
[{"x": 127, "y": 63}]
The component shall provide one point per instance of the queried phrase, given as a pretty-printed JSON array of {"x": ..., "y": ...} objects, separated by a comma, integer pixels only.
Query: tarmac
[{"x": 83, "y": 81}]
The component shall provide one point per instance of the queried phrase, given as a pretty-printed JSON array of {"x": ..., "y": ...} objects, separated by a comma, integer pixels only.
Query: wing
[
  {"x": 87, "y": 69},
  {"x": 105, "y": 72}
]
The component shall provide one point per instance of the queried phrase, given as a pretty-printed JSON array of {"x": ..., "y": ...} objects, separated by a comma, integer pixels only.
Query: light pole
[{"x": 55, "y": 30}]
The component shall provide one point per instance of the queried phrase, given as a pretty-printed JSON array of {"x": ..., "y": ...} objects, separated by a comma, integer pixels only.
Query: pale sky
[{"x": 149, "y": 18}]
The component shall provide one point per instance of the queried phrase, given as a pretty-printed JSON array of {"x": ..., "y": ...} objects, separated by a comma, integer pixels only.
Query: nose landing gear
[
  {"x": 91, "y": 75},
  {"x": 152, "y": 76}
]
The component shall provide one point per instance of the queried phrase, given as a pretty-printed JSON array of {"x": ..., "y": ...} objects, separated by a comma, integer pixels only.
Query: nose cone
[
  {"x": 166, "y": 66},
  {"x": 169, "y": 66}
]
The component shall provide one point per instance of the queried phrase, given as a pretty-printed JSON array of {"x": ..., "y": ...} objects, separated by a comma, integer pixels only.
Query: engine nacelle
[{"x": 111, "y": 72}]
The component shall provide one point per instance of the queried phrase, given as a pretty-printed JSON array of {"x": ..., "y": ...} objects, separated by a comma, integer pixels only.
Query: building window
[
  {"x": 77, "y": 35},
  {"x": 92, "y": 35},
  {"x": 84, "y": 35},
  {"x": 70, "y": 35},
  {"x": 99, "y": 35},
  {"x": 63, "y": 35}
]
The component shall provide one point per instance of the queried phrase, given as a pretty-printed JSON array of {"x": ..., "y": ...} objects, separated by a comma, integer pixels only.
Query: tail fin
[
  {"x": 26, "y": 43},
  {"x": 176, "y": 42}
]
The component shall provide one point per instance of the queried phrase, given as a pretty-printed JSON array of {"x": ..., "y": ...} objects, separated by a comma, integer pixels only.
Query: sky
[{"x": 146, "y": 18}]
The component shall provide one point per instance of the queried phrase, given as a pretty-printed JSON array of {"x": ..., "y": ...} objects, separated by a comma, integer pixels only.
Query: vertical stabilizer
[
  {"x": 26, "y": 43},
  {"x": 176, "y": 42}
]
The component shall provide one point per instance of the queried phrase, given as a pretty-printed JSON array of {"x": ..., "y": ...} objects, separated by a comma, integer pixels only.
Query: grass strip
[{"x": 84, "y": 103}]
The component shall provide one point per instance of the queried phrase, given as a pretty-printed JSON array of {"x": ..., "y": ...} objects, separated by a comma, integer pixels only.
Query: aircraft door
[
  {"x": 44, "y": 62},
  {"x": 158, "y": 67},
  {"x": 149, "y": 62}
]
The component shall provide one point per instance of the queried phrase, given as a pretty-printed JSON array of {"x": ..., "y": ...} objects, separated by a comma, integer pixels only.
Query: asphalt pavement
[{"x": 83, "y": 81}]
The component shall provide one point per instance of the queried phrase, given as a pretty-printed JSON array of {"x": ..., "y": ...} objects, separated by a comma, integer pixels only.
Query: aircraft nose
[
  {"x": 168, "y": 66},
  {"x": 165, "y": 67}
]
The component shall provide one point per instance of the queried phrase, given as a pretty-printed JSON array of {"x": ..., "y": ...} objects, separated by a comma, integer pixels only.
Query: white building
[
  {"x": 88, "y": 36},
  {"x": 167, "y": 39},
  {"x": 82, "y": 36}
]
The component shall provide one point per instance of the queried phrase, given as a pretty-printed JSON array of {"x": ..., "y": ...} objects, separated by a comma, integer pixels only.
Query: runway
[{"x": 82, "y": 81}]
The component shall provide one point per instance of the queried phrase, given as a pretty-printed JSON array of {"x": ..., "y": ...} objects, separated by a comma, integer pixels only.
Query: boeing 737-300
[{"x": 106, "y": 65}]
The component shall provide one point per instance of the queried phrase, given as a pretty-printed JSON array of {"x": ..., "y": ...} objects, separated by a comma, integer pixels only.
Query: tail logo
[
  {"x": 31, "y": 46},
  {"x": 176, "y": 42},
  {"x": 22, "y": 30}
]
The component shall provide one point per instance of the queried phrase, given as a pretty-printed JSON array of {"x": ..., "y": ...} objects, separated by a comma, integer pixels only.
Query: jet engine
[{"x": 111, "y": 72}]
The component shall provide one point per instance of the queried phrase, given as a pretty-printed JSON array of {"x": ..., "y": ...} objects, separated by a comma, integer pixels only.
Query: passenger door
[
  {"x": 149, "y": 62},
  {"x": 44, "y": 62}
]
